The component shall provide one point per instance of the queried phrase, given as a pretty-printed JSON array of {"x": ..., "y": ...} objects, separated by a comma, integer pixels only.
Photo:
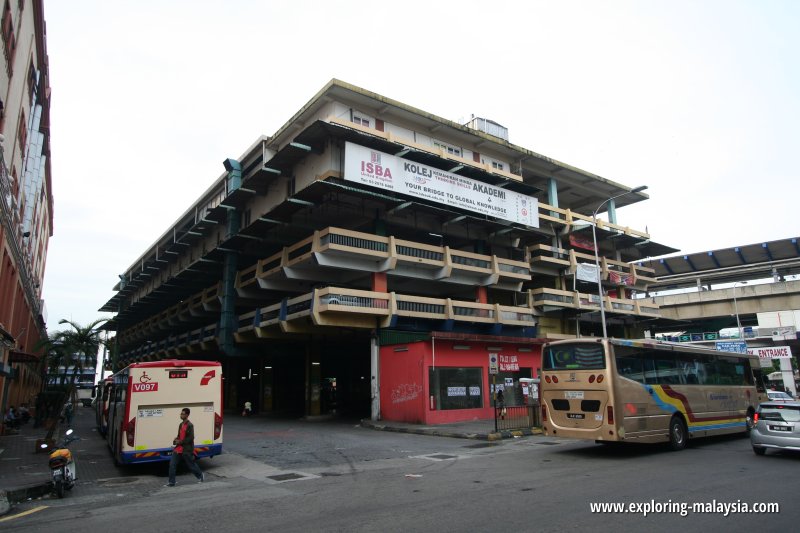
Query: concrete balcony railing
[
  {"x": 339, "y": 248},
  {"x": 200, "y": 339},
  {"x": 545, "y": 300},
  {"x": 551, "y": 260},
  {"x": 341, "y": 307},
  {"x": 197, "y": 307}
]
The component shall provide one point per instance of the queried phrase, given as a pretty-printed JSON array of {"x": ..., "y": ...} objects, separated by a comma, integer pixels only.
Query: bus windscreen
[{"x": 574, "y": 357}]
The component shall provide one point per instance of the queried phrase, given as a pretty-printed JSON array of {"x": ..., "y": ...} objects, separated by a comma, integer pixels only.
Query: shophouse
[
  {"x": 26, "y": 201},
  {"x": 369, "y": 257}
]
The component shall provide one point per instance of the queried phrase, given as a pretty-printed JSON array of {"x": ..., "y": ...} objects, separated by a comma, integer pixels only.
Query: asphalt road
[{"x": 343, "y": 478}]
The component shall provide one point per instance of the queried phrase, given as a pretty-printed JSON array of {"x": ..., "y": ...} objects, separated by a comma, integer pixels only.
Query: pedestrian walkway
[
  {"x": 474, "y": 429},
  {"x": 24, "y": 472}
]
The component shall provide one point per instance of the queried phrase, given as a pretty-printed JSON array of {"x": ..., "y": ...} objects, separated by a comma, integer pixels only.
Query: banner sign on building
[
  {"x": 509, "y": 363},
  {"x": 773, "y": 352},
  {"x": 587, "y": 272},
  {"x": 385, "y": 171},
  {"x": 731, "y": 346},
  {"x": 620, "y": 278},
  {"x": 581, "y": 241}
]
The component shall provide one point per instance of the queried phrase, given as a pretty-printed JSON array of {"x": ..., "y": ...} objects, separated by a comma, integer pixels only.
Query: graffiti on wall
[{"x": 406, "y": 392}]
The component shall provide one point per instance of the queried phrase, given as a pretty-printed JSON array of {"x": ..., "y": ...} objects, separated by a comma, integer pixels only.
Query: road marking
[{"x": 24, "y": 513}]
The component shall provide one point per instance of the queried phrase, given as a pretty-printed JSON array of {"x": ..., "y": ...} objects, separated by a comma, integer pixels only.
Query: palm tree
[
  {"x": 54, "y": 355},
  {"x": 80, "y": 345}
]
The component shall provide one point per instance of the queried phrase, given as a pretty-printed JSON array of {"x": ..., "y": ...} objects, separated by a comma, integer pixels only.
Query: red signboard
[{"x": 508, "y": 363}]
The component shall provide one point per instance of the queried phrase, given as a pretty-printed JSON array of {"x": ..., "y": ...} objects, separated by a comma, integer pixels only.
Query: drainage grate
[
  {"x": 443, "y": 456},
  {"x": 481, "y": 445},
  {"x": 285, "y": 477}
]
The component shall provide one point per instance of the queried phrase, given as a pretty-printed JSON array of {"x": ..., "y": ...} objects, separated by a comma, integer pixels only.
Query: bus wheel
[
  {"x": 677, "y": 434},
  {"x": 758, "y": 450}
]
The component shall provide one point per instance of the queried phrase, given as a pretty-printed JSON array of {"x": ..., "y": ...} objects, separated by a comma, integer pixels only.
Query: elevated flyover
[{"x": 705, "y": 291}]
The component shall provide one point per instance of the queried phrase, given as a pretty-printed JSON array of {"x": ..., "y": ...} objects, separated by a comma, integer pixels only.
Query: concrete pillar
[
  {"x": 612, "y": 211},
  {"x": 375, "y": 380},
  {"x": 788, "y": 375}
]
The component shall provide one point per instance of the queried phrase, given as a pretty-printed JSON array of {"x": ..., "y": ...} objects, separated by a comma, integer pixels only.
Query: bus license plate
[
  {"x": 780, "y": 428},
  {"x": 579, "y": 416}
]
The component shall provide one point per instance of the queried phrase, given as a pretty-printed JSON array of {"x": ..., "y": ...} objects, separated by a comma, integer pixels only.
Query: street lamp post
[
  {"x": 597, "y": 257},
  {"x": 736, "y": 309}
]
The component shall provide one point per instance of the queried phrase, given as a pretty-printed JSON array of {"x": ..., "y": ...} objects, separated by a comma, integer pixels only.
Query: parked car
[
  {"x": 779, "y": 396},
  {"x": 776, "y": 426}
]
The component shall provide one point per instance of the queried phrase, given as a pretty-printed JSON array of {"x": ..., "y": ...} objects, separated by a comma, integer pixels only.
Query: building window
[
  {"x": 456, "y": 388},
  {"x": 362, "y": 119},
  {"x": 448, "y": 148},
  {"x": 33, "y": 76},
  {"x": 498, "y": 165},
  {"x": 22, "y": 131}
]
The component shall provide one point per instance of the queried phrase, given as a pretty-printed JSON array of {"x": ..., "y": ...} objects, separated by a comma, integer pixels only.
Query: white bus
[
  {"x": 101, "y": 402},
  {"x": 145, "y": 401},
  {"x": 613, "y": 390}
]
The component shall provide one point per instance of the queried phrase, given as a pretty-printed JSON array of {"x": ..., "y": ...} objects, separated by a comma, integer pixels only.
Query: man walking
[{"x": 184, "y": 449}]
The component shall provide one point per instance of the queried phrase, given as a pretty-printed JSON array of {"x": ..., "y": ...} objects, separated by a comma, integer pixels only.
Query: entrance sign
[
  {"x": 385, "y": 171},
  {"x": 773, "y": 352}
]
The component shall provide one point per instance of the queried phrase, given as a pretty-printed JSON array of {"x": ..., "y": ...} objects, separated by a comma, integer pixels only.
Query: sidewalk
[
  {"x": 24, "y": 473},
  {"x": 475, "y": 429}
]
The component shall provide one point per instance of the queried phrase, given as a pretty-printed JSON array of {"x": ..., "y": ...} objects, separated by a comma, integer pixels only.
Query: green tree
[
  {"x": 82, "y": 344},
  {"x": 71, "y": 350}
]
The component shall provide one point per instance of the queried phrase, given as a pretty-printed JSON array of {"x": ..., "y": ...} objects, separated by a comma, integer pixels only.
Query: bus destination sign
[{"x": 178, "y": 374}]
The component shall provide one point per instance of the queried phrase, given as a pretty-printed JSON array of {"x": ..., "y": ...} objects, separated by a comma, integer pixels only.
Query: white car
[{"x": 779, "y": 396}]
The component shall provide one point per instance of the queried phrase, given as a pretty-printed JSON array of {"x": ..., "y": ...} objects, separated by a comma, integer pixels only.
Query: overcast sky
[{"x": 696, "y": 99}]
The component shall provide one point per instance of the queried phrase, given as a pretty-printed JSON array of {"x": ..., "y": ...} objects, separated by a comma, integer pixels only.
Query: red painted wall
[
  {"x": 404, "y": 370},
  {"x": 403, "y": 383}
]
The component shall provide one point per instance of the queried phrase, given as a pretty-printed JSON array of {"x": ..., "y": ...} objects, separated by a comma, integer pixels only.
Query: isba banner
[{"x": 385, "y": 171}]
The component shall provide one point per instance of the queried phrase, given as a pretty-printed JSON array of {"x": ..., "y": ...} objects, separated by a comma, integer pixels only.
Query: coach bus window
[
  {"x": 692, "y": 370},
  {"x": 731, "y": 370},
  {"x": 667, "y": 369},
  {"x": 631, "y": 368}
]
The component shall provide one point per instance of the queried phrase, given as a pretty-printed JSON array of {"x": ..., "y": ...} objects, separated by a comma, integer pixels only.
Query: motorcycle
[{"x": 62, "y": 465}]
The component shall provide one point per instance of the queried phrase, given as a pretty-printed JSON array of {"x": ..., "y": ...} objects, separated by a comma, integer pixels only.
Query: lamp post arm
[
  {"x": 597, "y": 254},
  {"x": 599, "y": 277}
]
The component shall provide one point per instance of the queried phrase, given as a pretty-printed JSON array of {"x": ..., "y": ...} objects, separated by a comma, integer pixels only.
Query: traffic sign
[{"x": 493, "y": 363}]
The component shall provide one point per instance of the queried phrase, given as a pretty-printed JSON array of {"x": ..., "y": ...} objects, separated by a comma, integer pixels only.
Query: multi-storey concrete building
[
  {"x": 26, "y": 202},
  {"x": 369, "y": 257}
]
